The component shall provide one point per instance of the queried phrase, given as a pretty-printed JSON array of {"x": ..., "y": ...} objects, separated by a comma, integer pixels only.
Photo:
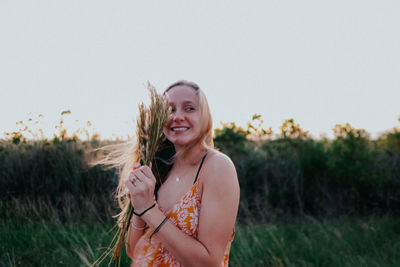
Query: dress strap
[{"x": 198, "y": 171}]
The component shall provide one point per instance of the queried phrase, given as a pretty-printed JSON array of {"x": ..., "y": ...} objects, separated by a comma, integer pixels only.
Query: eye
[{"x": 189, "y": 108}]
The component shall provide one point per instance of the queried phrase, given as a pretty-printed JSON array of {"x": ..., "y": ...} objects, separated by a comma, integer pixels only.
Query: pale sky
[{"x": 319, "y": 62}]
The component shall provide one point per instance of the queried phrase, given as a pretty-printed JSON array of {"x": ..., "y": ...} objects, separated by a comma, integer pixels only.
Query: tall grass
[
  {"x": 52, "y": 243},
  {"x": 340, "y": 242}
]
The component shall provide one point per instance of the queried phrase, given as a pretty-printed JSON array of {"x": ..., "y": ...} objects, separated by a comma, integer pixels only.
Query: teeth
[{"x": 179, "y": 129}]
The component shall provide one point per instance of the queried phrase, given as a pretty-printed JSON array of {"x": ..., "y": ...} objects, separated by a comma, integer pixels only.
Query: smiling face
[{"x": 183, "y": 126}]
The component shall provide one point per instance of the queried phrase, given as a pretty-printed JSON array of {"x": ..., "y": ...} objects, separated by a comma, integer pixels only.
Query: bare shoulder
[
  {"x": 218, "y": 159},
  {"x": 219, "y": 168}
]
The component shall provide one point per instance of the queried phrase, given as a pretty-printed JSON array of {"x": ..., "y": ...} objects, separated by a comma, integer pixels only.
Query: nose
[{"x": 177, "y": 115}]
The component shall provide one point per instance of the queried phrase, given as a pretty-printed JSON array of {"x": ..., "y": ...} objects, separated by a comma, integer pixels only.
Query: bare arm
[
  {"x": 220, "y": 199},
  {"x": 133, "y": 235}
]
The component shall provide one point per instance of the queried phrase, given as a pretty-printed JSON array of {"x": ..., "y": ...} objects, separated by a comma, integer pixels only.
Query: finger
[
  {"x": 147, "y": 171},
  {"x": 131, "y": 175},
  {"x": 137, "y": 170},
  {"x": 140, "y": 186},
  {"x": 146, "y": 181},
  {"x": 129, "y": 185},
  {"x": 136, "y": 165},
  {"x": 141, "y": 177},
  {"x": 132, "y": 178}
]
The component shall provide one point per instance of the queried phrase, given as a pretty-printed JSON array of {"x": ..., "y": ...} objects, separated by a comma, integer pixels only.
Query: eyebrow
[
  {"x": 184, "y": 102},
  {"x": 188, "y": 102}
]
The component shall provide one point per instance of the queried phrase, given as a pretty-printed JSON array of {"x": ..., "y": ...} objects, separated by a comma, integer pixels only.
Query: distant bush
[
  {"x": 289, "y": 174},
  {"x": 54, "y": 173},
  {"x": 293, "y": 174}
]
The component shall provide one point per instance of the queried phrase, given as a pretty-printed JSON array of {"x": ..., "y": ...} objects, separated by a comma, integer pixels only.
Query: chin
[{"x": 180, "y": 142}]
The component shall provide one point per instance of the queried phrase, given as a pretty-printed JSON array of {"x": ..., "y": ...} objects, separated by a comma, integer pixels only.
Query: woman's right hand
[
  {"x": 140, "y": 184},
  {"x": 138, "y": 220}
]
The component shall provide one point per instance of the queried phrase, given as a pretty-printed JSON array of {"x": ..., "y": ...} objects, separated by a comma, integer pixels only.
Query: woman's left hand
[{"x": 141, "y": 184}]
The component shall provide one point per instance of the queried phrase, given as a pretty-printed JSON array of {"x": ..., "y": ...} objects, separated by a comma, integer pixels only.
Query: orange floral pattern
[{"x": 185, "y": 215}]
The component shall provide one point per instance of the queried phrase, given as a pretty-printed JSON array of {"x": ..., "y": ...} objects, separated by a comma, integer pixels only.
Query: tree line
[{"x": 287, "y": 175}]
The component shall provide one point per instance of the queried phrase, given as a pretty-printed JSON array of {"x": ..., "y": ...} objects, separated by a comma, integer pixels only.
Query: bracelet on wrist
[
  {"x": 143, "y": 212},
  {"x": 138, "y": 228},
  {"x": 158, "y": 227}
]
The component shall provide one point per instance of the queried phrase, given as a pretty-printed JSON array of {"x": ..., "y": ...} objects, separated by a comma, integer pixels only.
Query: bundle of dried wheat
[{"x": 149, "y": 133}]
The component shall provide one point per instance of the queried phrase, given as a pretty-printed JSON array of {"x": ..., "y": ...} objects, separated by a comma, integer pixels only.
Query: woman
[{"x": 188, "y": 219}]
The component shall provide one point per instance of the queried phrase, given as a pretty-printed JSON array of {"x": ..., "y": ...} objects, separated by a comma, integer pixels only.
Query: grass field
[{"x": 339, "y": 242}]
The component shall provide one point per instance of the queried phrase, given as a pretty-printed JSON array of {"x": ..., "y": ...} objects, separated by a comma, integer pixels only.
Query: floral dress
[{"x": 185, "y": 215}]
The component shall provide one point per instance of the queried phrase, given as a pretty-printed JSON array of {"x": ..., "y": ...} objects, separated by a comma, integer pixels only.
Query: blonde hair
[{"x": 122, "y": 156}]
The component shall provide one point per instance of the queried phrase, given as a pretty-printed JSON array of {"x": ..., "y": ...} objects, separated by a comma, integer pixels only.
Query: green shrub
[{"x": 288, "y": 175}]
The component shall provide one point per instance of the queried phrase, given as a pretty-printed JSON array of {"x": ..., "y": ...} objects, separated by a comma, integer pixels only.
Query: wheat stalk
[{"x": 149, "y": 132}]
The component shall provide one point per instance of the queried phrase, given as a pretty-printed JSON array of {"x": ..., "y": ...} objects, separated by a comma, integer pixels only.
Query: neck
[{"x": 191, "y": 157}]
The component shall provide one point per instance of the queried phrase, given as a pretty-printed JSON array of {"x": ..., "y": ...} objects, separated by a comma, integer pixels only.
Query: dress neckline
[
  {"x": 195, "y": 184},
  {"x": 167, "y": 212}
]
